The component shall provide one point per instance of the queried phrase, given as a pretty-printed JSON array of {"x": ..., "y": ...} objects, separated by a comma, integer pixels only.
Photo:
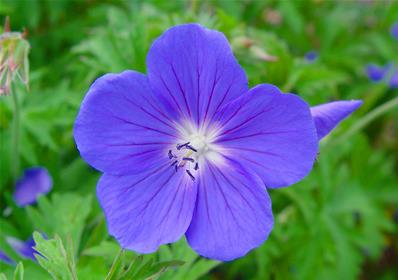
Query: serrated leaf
[
  {"x": 53, "y": 257},
  {"x": 62, "y": 215}
]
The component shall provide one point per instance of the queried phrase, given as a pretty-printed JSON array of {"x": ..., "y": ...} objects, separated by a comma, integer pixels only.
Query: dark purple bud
[
  {"x": 394, "y": 31},
  {"x": 311, "y": 56},
  {"x": 375, "y": 73},
  {"x": 34, "y": 183}
]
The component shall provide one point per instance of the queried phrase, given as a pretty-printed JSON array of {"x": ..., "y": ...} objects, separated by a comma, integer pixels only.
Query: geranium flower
[
  {"x": 23, "y": 248},
  {"x": 394, "y": 30},
  {"x": 5, "y": 258},
  {"x": 376, "y": 73},
  {"x": 189, "y": 149},
  {"x": 393, "y": 82},
  {"x": 311, "y": 56},
  {"x": 35, "y": 182}
]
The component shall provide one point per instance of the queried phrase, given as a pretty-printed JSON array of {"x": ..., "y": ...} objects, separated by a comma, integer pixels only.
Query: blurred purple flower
[
  {"x": 376, "y": 73},
  {"x": 35, "y": 182},
  {"x": 5, "y": 258},
  {"x": 394, "y": 30},
  {"x": 190, "y": 149},
  {"x": 394, "y": 79},
  {"x": 23, "y": 248},
  {"x": 311, "y": 56}
]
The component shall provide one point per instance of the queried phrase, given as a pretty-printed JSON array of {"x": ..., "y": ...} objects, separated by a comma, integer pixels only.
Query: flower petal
[
  {"x": 270, "y": 133},
  {"x": 119, "y": 128},
  {"x": 376, "y": 73},
  {"x": 147, "y": 210},
  {"x": 327, "y": 116},
  {"x": 35, "y": 182},
  {"x": 194, "y": 72},
  {"x": 233, "y": 213},
  {"x": 393, "y": 82},
  {"x": 5, "y": 258},
  {"x": 23, "y": 248}
]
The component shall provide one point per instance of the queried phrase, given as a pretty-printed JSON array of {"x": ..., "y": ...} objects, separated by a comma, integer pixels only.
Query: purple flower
[
  {"x": 5, "y": 258},
  {"x": 311, "y": 56},
  {"x": 376, "y": 73},
  {"x": 35, "y": 182},
  {"x": 190, "y": 149},
  {"x": 23, "y": 248},
  {"x": 394, "y": 30},
  {"x": 394, "y": 79}
]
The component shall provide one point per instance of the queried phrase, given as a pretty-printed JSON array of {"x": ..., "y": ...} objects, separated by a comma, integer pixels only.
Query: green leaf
[
  {"x": 53, "y": 257},
  {"x": 105, "y": 249},
  {"x": 194, "y": 266},
  {"x": 19, "y": 272},
  {"x": 128, "y": 266},
  {"x": 64, "y": 215}
]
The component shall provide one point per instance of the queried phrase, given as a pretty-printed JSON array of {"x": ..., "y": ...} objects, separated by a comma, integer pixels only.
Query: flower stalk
[{"x": 15, "y": 135}]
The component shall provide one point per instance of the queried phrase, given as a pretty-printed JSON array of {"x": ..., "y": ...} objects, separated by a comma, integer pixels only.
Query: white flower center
[{"x": 196, "y": 147}]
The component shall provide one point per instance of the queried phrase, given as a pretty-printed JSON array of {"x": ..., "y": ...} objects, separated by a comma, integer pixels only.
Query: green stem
[
  {"x": 115, "y": 265},
  {"x": 382, "y": 109},
  {"x": 15, "y": 136}
]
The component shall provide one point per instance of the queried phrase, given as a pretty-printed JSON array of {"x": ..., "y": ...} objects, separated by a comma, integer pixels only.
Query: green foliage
[
  {"x": 338, "y": 223},
  {"x": 19, "y": 272},
  {"x": 64, "y": 215},
  {"x": 194, "y": 267},
  {"x": 136, "y": 267},
  {"x": 53, "y": 257}
]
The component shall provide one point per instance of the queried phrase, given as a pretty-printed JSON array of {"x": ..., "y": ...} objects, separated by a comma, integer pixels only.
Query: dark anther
[
  {"x": 191, "y": 148},
  {"x": 170, "y": 154},
  {"x": 188, "y": 159},
  {"x": 176, "y": 167},
  {"x": 190, "y": 175},
  {"x": 196, "y": 166},
  {"x": 174, "y": 162},
  {"x": 180, "y": 146}
]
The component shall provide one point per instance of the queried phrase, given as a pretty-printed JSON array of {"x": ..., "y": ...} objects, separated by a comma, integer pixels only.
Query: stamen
[
  {"x": 170, "y": 154},
  {"x": 191, "y": 148},
  {"x": 196, "y": 166},
  {"x": 180, "y": 146},
  {"x": 188, "y": 159},
  {"x": 190, "y": 175},
  {"x": 175, "y": 162}
]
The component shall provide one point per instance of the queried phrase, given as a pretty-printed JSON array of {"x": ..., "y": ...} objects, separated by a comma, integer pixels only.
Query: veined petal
[
  {"x": 147, "y": 210},
  {"x": 233, "y": 213},
  {"x": 270, "y": 133},
  {"x": 193, "y": 72},
  {"x": 119, "y": 128},
  {"x": 327, "y": 116}
]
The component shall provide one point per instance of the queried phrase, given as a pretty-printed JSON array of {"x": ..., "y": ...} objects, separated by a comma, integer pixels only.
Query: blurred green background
[{"x": 341, "y": 222}]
